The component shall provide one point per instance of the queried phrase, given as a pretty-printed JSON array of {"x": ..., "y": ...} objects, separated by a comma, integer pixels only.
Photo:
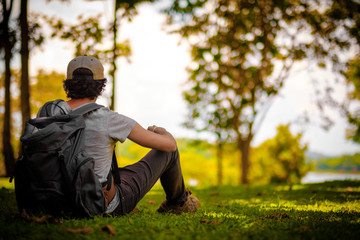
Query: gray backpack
[{"x": 54, "y": 174}]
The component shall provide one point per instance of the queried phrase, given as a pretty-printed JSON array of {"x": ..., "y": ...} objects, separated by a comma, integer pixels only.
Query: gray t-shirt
[{"x": 104, "y": 128}]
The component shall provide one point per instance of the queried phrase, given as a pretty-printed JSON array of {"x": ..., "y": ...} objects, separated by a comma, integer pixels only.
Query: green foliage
[
  {"x": 346, "y": 163},
  {"x": 46, "y": 87},
  {"x": 36, "y": 36},
  {"x": 353, "y": 81},
  {"x": 198, "y": 160},
  {"x": 129, "y": 7},
  {"x": 88, "y": 37},
  {"x": 281, "y": 159},
  {"x": 328, "y": 210}
]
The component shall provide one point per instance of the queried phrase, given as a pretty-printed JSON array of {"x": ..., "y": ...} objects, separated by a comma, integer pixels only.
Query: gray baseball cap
[{"x": 87, "y": 62}]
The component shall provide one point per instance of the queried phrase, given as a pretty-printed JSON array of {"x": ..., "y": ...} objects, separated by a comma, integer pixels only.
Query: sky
[{"x": 149, "y": 88}]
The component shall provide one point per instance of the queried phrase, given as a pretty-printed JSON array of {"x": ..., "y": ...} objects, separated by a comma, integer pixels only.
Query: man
[{"x": 85, "y": 82}]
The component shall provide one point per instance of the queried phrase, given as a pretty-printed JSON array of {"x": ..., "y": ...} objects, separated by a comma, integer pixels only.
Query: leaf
[
  {"x": 109, "y": 229},
  {"x": 78, "y": 230},
  {"x": 151, "y": 202},
  {"x": 302, "y": 229},
  {"x": 278, "y": 215},
  {"x": 205, "y": 221},
  {"x": 40, "y": 220},
  {"x": 322, "y": 65}
]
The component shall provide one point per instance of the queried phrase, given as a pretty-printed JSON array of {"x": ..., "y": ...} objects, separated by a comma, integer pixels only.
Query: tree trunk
[
  {"x": 113, "y": 63},
  {"x": 7, "y": 147},
  {"x": 25, "y": 92},
  {"x": 8, "y": 151},
  {"x": 244, "y": 146},
  {"x": 220, "y": 163}
]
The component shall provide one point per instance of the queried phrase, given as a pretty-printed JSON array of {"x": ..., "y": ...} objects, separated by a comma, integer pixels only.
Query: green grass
[{"x": 328, "y": 210}]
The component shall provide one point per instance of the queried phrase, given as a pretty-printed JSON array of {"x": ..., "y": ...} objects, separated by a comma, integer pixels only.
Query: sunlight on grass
[
  {"x": 4, "y": 182},
  {"x": 224, "y": 215},
  {"x": 329, "y": 210}
]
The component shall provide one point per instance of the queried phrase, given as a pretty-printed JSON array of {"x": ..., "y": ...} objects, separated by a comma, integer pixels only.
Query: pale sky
[{"x": 149, "y": 89}]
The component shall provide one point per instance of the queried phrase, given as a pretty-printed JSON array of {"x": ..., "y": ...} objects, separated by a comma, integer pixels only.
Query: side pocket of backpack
[
  {"x": 89, "y": 196},
  {"x": 21, "y": 184}
]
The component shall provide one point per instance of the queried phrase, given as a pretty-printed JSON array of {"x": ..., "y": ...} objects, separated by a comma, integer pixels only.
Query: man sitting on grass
[{"x": 85, "y": 82}]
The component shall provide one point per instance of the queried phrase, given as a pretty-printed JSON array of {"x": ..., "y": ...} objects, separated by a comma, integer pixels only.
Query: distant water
[{"x": 315, "y": 177}]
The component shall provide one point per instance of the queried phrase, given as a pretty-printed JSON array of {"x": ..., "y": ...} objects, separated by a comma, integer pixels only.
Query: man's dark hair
[{"x": 83, "y": 85}]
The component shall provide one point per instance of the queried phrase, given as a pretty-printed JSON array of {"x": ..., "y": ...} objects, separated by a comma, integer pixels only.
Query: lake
[{"x": 315, "y": 177}]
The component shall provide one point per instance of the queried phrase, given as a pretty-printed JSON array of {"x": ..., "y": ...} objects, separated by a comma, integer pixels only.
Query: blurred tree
[
  {"x": 242, "y": 53},
  {"x": 7, "y": 43},
  {"x": 46, "y": 87},
  {"x": 353, "y": 80},
  {"x": 338, "y": 27},
  {"x": 9, "y": 37},
  {"x": 281, "y": 159},
  {"x": 88, "y": 36}
]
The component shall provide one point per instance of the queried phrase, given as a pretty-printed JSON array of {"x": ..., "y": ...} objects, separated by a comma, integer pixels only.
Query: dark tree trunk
[
  {"x": 7, "y": 147},
  {"x": 25, "y": 91},
  {"x": 8, "y": 151},
  {"x": 113, "y": 63},
  {"x": 244, "y": 146}
]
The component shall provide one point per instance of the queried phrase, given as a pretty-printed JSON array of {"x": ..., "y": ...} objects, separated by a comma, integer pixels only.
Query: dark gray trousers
[{"x": 137, "y": 179}]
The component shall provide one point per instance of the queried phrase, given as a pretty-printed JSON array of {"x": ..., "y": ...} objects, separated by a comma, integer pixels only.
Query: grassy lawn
[{"x": 328, "y": 210}]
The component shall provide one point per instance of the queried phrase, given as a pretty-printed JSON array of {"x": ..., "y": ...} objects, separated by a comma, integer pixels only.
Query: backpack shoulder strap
[
  {"x": 85, "y": 109},
  {"x": 46, "y": 109}
]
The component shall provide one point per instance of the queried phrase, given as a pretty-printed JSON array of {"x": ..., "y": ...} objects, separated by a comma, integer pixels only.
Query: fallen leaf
[
  {"x": 43, "y": 219},
  {"x": 25, "y": 216},
  {"x": 278, "y": 215},
  {"x": 40, "y": 220},
  {"x": 78, "y": 230},
  {"x": 218, "y": 204},
  {"x": 109, "y": 229},
  {"x": 302, "y": 229},
  {"x": 214, "y": 194},
  {"x": 217, "y": 222},
  {"x": 151, "y": 202}
]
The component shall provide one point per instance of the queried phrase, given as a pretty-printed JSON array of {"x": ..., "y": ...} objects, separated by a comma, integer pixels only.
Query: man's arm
[{"x": 154, "y": 137}]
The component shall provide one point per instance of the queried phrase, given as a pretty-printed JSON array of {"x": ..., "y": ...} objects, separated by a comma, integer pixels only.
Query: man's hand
[
  {"x": 154, "y": 137},
  {"x": 158, "y": 130}
]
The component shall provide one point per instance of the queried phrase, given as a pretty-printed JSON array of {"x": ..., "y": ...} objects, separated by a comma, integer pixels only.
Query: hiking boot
[{"x": 191, "y": 205}]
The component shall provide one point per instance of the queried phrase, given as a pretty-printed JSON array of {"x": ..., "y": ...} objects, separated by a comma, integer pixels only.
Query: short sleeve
[{"x": 119, "y": 126}]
